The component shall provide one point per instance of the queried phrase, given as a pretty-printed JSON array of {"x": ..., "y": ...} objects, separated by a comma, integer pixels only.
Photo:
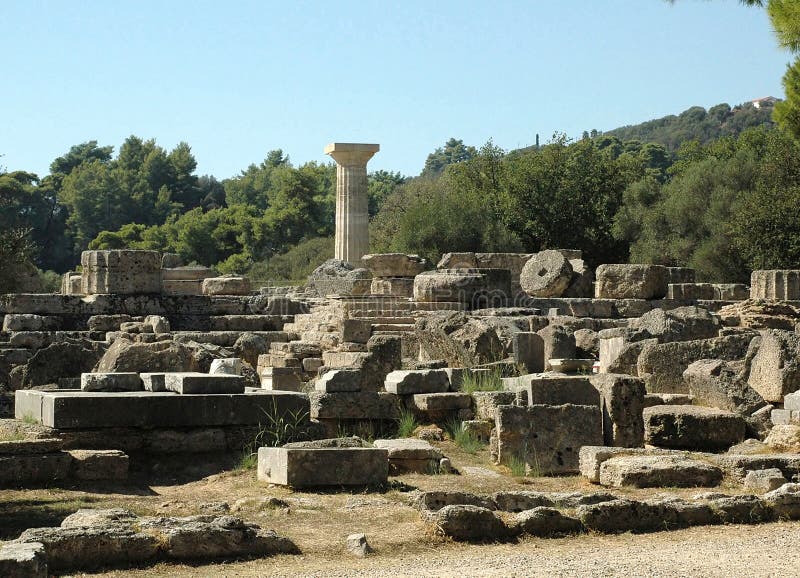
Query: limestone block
[
  {"x": 312, "y": 364},
  {"x": 441, "y": 402},
  {"x": 193, "y": 273},
  {"x": 631, "y": 282},
  {"x": 581, "y": 284},
  {"x": 98, "y": 465},
  {"x": 23, "y": 560},
  {"x": 566, "y": 366},
  {"x": 154, "y": 381},
  {"x": 111, "y": 382},
  {"x": 157, "y": 323},
  {"x": 338, "y": 277},
  {"x": 529, "y": 351},
  {"x": 203, "y": 383},
  {"x": 731, "y": 291},
  {"x": 31, "y": 446},
  {"x": 354, "y": 406},
  {"x": 123, "y": 272},
  {"x": 410, "y": 455},
  {"x": 680, "y": 275},
  {"x": 558, "y": 389},
  {"x": 303, "y": 468},
  {"x": 622, "y": 399},
  {"x": 545, "y": 523},
  {"x": 692, "y": 427},
  {"x": 393, "y": 264},
  {"x": 784, "y": 501},
  {"x": 29, "y": 322},
  {"x": 226, "y": 286},
  {"x": 780, "y": 284},
  {"x": 357, "y": 545},
  {"x": 407, "y": 382},
  {"x": 691, "y": 291},
  {"x": 775, "y": 369},
  {"x": 450, "y": 285},
  {"x": 763, "y": 481},
  {"x": 470, "y": 523},
  {"x": 175, "y": 287},
  {"x": 658, "y": 472},
  {"x": 547, "y": 438},
  {"x": 339, "y": 380},
  {"x": 652, "y": 399},
  {"x": 355, "y": 330},
  {"x": 281, "y": 378},
  {"x": 558, "y": 342},
  {"x": 546, "y": 274},
  {"x": 21, "y": 470},
  {"x": 716, "y": 383},
  {"x": 226, "y": 366},
  {"x": 394, "y": 286},
  {"x": 107, "y": 322},
  {"x": 487, "y": 402}
]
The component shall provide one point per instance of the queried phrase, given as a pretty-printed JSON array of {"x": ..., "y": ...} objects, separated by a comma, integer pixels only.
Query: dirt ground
[{"x": 404, "y": 546}]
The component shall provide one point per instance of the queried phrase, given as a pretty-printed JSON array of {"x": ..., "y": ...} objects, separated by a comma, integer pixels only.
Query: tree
[{"x": 454, "y": 151}]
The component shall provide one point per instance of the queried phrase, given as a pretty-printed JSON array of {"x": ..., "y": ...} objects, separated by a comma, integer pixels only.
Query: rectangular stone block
[
  {"x": 442, "y": 401},
  {"x": 634, "y": 281},
  {"x": 154, "y": 381},
  {"x": 203, "y": 383},
  {"x": 731, "y": 291},
  {"x": 354, "y": 406},
  {"x": 775, "y": 284},
  {"x": 123, "y": 272},
  {"x": 622, "y": 405},
  {"x": 339, "y": 381},
  {"x": 356, "y": 330},
  {"x": 98, "y": 465},
  {"x": 318, "y": 467},
  {"x": 281, "y": 379},
  {"x": 34, "y": 468},
  {"x": 408, "y": 382},
  {"x": 529, "y": 351},
  {"x": 557, "y": 389},
  {"x": 75, "y": 409},
  {"x": 691, "y": 291},
  {"x": 547, "y": 438},
  {"x": 394, "y": 286},
  {"x": 35, "y": 446},
  {"x": 111, "y": 382},
  {"x": 486, "y": 402}
]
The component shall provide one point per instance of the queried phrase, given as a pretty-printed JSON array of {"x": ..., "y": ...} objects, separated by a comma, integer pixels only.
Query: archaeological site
[{"x": 161, "y": 417}]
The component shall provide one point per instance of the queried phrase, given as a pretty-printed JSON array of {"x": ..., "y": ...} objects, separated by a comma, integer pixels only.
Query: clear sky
[{"x": 236, "y": 79}]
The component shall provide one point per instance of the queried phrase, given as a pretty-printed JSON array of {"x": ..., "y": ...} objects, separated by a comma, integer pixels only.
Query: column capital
[{"x": 346, "y": 153}]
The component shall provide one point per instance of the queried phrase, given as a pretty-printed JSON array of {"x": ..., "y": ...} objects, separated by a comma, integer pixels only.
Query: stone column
[{"x": 352, "y": 216}]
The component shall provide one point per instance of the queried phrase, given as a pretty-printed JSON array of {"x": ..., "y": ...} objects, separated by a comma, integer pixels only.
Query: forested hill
[{"x": 696, "y": 123}]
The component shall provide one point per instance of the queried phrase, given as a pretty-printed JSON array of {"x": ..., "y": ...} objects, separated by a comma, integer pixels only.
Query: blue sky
[{"x": 237, "y": 79}]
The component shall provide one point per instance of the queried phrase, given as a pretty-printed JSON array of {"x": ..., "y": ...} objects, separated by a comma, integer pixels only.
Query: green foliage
[
  {"x": 406, "y": 424},
  {"x": 787, "y": 112},
  {"x": 294, "y": 265},
  {"x": 454, "y": 151},
  {"x": 276, "y": 429},
  {"x": 463, "y": 438},
  {"x": 482, "y": 381},
  {"x": 517, "y": 467}
]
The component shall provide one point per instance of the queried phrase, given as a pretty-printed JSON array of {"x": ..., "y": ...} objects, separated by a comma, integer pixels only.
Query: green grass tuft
[
  {"x": 482, "y": 381},
  {"x": 517, "y": 467},
  {"x": 464, "y": 439},
  {"x": 406, "y": 424}
]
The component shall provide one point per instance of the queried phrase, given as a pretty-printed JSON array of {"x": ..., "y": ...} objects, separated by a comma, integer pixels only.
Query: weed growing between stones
[
  {"x": 517, "y": 466},
  {"x": 277, "y": 429},
  {"x": 406, "y": 424},
  {"x": 482, "y": 381},
  {"x": 463, "y": 438}
]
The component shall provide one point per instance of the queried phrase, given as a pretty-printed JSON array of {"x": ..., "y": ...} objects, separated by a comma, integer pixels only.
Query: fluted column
[{"x": 352, "y": 201}]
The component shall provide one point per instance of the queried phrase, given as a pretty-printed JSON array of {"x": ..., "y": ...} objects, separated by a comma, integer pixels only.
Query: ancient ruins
[{"x": 619, "y": 379}]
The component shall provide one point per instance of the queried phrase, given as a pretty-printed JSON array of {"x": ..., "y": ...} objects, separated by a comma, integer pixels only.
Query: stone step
[{"x": 394, "y": 327}]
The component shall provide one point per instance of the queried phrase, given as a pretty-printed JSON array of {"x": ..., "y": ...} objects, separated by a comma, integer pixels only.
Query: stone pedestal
[
  {"x": 352, "y": 216},
  {"x": 780, "y": 284}
]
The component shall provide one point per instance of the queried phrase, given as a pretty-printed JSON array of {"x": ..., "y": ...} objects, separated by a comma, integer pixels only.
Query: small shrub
[
  {"x": 517, "y": 467},
  {"x": 277, "y": 429},
  {"x": 406, "y": 424},
  {"x": 464, "y": 439},
  {"x": 482, "y": 381},
  {"x": 29, "y": 419}
]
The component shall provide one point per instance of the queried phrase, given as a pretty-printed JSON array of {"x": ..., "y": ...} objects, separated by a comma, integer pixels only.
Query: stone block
[
  {"x": 355, "y": 330},
  {"x": 339, "y": 380},
  {"x": 111, "y": 382},
  {"x": 394, "y": 286},
  {"x": 410, "y": 455},
  {"x": 680, "y": 275},
  {"x": 784, "y": 501},
  {"x": 545, "y": 522},
  {"x": 281, "y": 379},
  {"x": 226, "y": 366},
  {"x": 658, "y": 472},
  {"x": 631, "y": 281},
  {"x": 362, "y": 405},
  {"x": 622, "y": 402},
  {"x": 304, "y": 468},
  {"x": 716, "y": 383},
  {"x": 20, "y": 470},
  {"x": 692, "y": 427},
  {"x": 529, "y": 351},
  {"x": 71, "y": 410},
  {"x": 557, "y": 389},
  {"x": 487, "y": 402},
  {"x": 107, "y": 322},
  {"x": 204, "y": 383},
  {"x": 775, "y": 369},
  {"x": 652, "y": 399},
  {"x": 98, "y": 465},
  {"x": 731, "y": 291},
  {"x": 583, "y": 366},
  {"x": 30, "y": 446},
  {"x": 442, "y": 402},
  {"x": 408, "y": 382},
  {"x": 312, "y": 364},
  {"x": 547, "y": 438},
  {"x": 154, "y": 381},
  {"x": 559, "y": 343},
  {"x": 775, "y": 284},
  {"x": 23, "y": 560},
  {"x": 763, "y": 481},
  {"x": 124, "y": 272},
  {"x": 29, "y": 322},
  {"x": 457, "y": 285},
  {"x": 226, "y": 286},
  {"x": 192, "y": 273},
  {"x": 691, "y": 291},
  {"x": 546, "y": 274},
  {"x": 393, "y": 264}
]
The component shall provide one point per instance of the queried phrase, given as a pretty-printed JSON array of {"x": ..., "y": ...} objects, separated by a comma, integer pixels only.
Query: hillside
[{"x": 697, "y": 123}]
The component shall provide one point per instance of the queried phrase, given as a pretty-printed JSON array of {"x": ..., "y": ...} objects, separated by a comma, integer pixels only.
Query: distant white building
[{"x": 766, "y": 101}]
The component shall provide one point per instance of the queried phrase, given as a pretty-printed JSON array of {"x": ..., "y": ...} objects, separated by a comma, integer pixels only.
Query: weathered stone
[
  {"x": 441, "y": 402},
  {"x": 731, "y": 291},
  {"x": 281, "y": 379},
  {"x": 740, "y": 510},
  {"x": 203, "y": 383},
  {"x": 410, "y": 455},
  {"x": 557, "y": 389},
  {"x": 339, "y": 380},
  {"x": 393, "y": 264},
  {"x": 784, "y": 438},
  {"x": 775, "y": 369},
  {"x": 758, "y": 314},
  {"x": 680, "y": 275},
  {"x": 98, "y": 465},
  {"x": 545, "y": 522},
  {"x": 125, "y": 355},
  {"x": 716, "y": 383},
  {"x": 624, "y": 515},
  {"x": 34, "y": 468},
  {"x": 658, "y": 472},
  {"x": 559, "y": 343},
  {"x": 460, "y": 340},
  {"x": 486, "y": 402},
  {"x": 107, "y": 322},
  {"x": 121, "y": 272},
  {"x": 661, "y": 365},
  {"x": 631, "y": 282},
  {"x": 587, "y": 343},
  {"x": 111, "y": 382},
  {"x": 154, "y": 381},
  {"x": 231, "y": 285},
  {"x": 622, "y": 401},
  {"x": 58, "y": 360},
  {"x": 302, "y": 468},
  {"x": 737, "y": 466},
  {"x": 546, "y": 274},
  {"x": 763, "y": 481},
  {"x": 652, "y": 399},
  {"x": 581, "y": 284},
  {"x": 338, "y": 277},
  {"x": 26, "y": 560},
  {"x": 362, "y": 405},
  {"x": 691, "y": 291},
  {"x": 692, "y": 427},
  {"x": 784, "y": 501},
  {"x": 679, "y": 324},
  {"x": 470, "y": 523},
  {"x": 394, "y": 286},
  {"x": 780, "y": 285},
  {"x": 357, "y": 545},
  {"x": 356, "y": 330},
  {"x": 529, "y": 351},
  {"x": 406, "y": 382},
  {"x": 30, "y": 446},
  {"x": 547, "y": 438},
  {"x": 226, "y": 366},
  {"x": 29, "y": 322},
  {"x": 432, "y": 501}
]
